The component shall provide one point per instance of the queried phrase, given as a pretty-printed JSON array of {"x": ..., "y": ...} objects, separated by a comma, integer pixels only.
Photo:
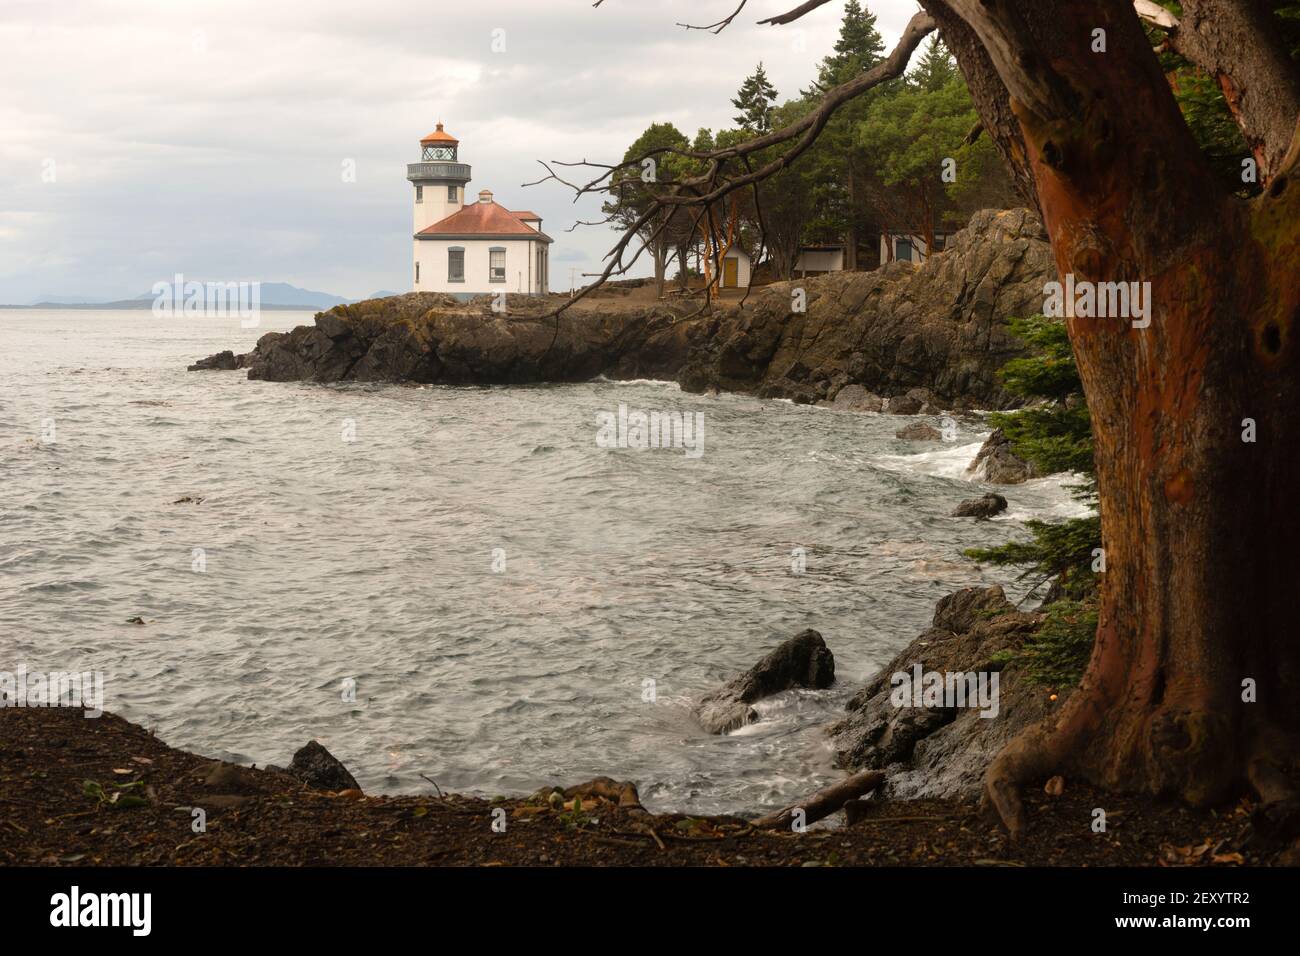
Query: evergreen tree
[
  {"x": 1055, "y": 436},
  {"x": 859, "y": 46},
  {"x": 755, "y": 101},
  {"x": 936, "y": 68}
]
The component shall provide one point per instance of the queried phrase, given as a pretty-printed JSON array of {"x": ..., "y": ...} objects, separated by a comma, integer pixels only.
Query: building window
[
  {"x": 903, "y": 250},
  {"x": 497, "y": 264},
  {"x": 451, "y": 194},
  {"x": 417, "y": 273},
  {"x": 419, "y": 193},
  {"x": 456, "y": 264}
]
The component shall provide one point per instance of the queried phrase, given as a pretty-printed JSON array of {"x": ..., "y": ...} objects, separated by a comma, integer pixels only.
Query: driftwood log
[{"x": 824, "y": 802}]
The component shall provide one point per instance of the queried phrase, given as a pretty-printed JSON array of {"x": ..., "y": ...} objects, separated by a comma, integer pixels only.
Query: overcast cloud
[{"x": 210, "y": 138}]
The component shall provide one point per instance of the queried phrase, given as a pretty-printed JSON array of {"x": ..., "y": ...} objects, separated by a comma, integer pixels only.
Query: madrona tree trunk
[{"x": 1193, "y": 688}]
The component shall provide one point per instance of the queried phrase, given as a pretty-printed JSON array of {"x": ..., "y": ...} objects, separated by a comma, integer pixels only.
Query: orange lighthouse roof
[{"x": 439, "y": 136}]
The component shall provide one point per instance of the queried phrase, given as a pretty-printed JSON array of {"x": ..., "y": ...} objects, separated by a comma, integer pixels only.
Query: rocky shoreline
[{"x": 905, "y": 339}]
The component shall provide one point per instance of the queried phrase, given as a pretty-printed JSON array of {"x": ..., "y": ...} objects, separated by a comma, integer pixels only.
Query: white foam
[{"x": 950, "y": 461}]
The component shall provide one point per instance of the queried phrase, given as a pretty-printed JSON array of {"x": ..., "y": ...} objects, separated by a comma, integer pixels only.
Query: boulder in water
[
  {"x": 998, "y": 464},
  {"x": 802, "y": 661},
  {"x": 981, "y": 508}
]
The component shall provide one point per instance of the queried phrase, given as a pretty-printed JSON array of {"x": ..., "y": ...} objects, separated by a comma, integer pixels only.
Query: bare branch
[
  {"x": 721, "y": 24},
  {"x": 804, "y": 8}
]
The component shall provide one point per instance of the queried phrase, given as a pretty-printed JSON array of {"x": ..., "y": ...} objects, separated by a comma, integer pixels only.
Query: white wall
[
  {"x": 434, "y": 206},
  {"x": 742, "y": 269},
  {"x": 820, "y": 260},
  {"x": 919, "y": 250},
  {"x": 521, "y": 266}
]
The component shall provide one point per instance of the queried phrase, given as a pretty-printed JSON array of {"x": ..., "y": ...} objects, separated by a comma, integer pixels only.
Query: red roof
[
  {"x": 439, "y": 136},
  {"x": 525, "y": 214},
  {"x": 481, "y": 218}
]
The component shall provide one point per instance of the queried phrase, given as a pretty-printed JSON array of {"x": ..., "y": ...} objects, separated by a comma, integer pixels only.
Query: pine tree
[
  {"x": 755, "y": 102},
  {"x": 860, "y": 43},
  {"x": 935, "y": 69},
  {"x": 1055, "y": 436}
]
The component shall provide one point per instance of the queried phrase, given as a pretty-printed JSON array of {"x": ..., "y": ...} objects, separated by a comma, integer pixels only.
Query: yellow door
[{"x": 729, "y": 280}]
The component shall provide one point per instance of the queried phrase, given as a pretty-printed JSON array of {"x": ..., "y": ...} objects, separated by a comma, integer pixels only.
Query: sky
[{"x": 268, "y": 141}]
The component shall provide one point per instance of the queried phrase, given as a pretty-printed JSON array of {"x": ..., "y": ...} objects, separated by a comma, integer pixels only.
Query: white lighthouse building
[{"x": 470, "y": 248}]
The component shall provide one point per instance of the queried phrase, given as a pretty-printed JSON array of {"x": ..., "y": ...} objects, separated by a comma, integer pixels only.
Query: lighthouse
[{"x": 475, "y": 247}]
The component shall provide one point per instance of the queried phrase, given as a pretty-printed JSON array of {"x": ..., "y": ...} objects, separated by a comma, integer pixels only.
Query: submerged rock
[
  {"x": 802, "y": 661},
  {"x": 981, "y": 508},
  {"x": 943, "y": 750},
  {"x": 997, "y": 463}
]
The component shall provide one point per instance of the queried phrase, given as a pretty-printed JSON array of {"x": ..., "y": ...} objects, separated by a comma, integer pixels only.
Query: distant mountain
[
  {"x": 66, "y": 299},
  {"x": 274, "y": 295},
  {"x": 381, "y": 294}
]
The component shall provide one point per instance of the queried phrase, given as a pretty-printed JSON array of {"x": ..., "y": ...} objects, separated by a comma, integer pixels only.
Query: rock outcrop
[
  {"x": 226, "y": 361},
  {"x": 928, "y": 336},
  {"x": 997, "y": 463},
  {"x": 802, "y": 661},
  {"x": 428, "y": 338},
  {"x": 943, "y": 751},
  {"x": 938, "y": 325},
  {"x": 986, "y": 506}
]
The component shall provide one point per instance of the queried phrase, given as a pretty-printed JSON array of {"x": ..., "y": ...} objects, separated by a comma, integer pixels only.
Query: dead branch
[
  {"x": 722, "y": 24},
  {"x": 789, "y": 17},
  {"x": 824, "y": 802}
]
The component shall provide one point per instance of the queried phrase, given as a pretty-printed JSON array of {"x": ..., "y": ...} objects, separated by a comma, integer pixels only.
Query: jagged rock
[
  {"x": 997, "y": 463},
  {"x": 221, "y": 362},
  {"x": 318, "y": 768},
  {"x": 943, "y": 751},
  {"x": 919, "y": 431},
  {"x": 802, "y": 661},
  {"x": 985, "y": 506},
  {"x": 939, "y": 325},
  {"x": 431, "y": 338}
]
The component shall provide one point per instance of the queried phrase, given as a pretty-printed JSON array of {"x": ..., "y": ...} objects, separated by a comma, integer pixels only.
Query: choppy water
[{"x": 373, "y": 560}]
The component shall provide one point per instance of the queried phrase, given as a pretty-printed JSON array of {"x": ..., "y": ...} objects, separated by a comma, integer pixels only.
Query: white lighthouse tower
[
  {"x": 438, "y": 178},
  {"x": 469, "y": 250}
]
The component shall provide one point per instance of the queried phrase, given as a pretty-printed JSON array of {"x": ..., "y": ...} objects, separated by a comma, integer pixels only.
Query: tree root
[{"x": 1037, "y": 753}]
